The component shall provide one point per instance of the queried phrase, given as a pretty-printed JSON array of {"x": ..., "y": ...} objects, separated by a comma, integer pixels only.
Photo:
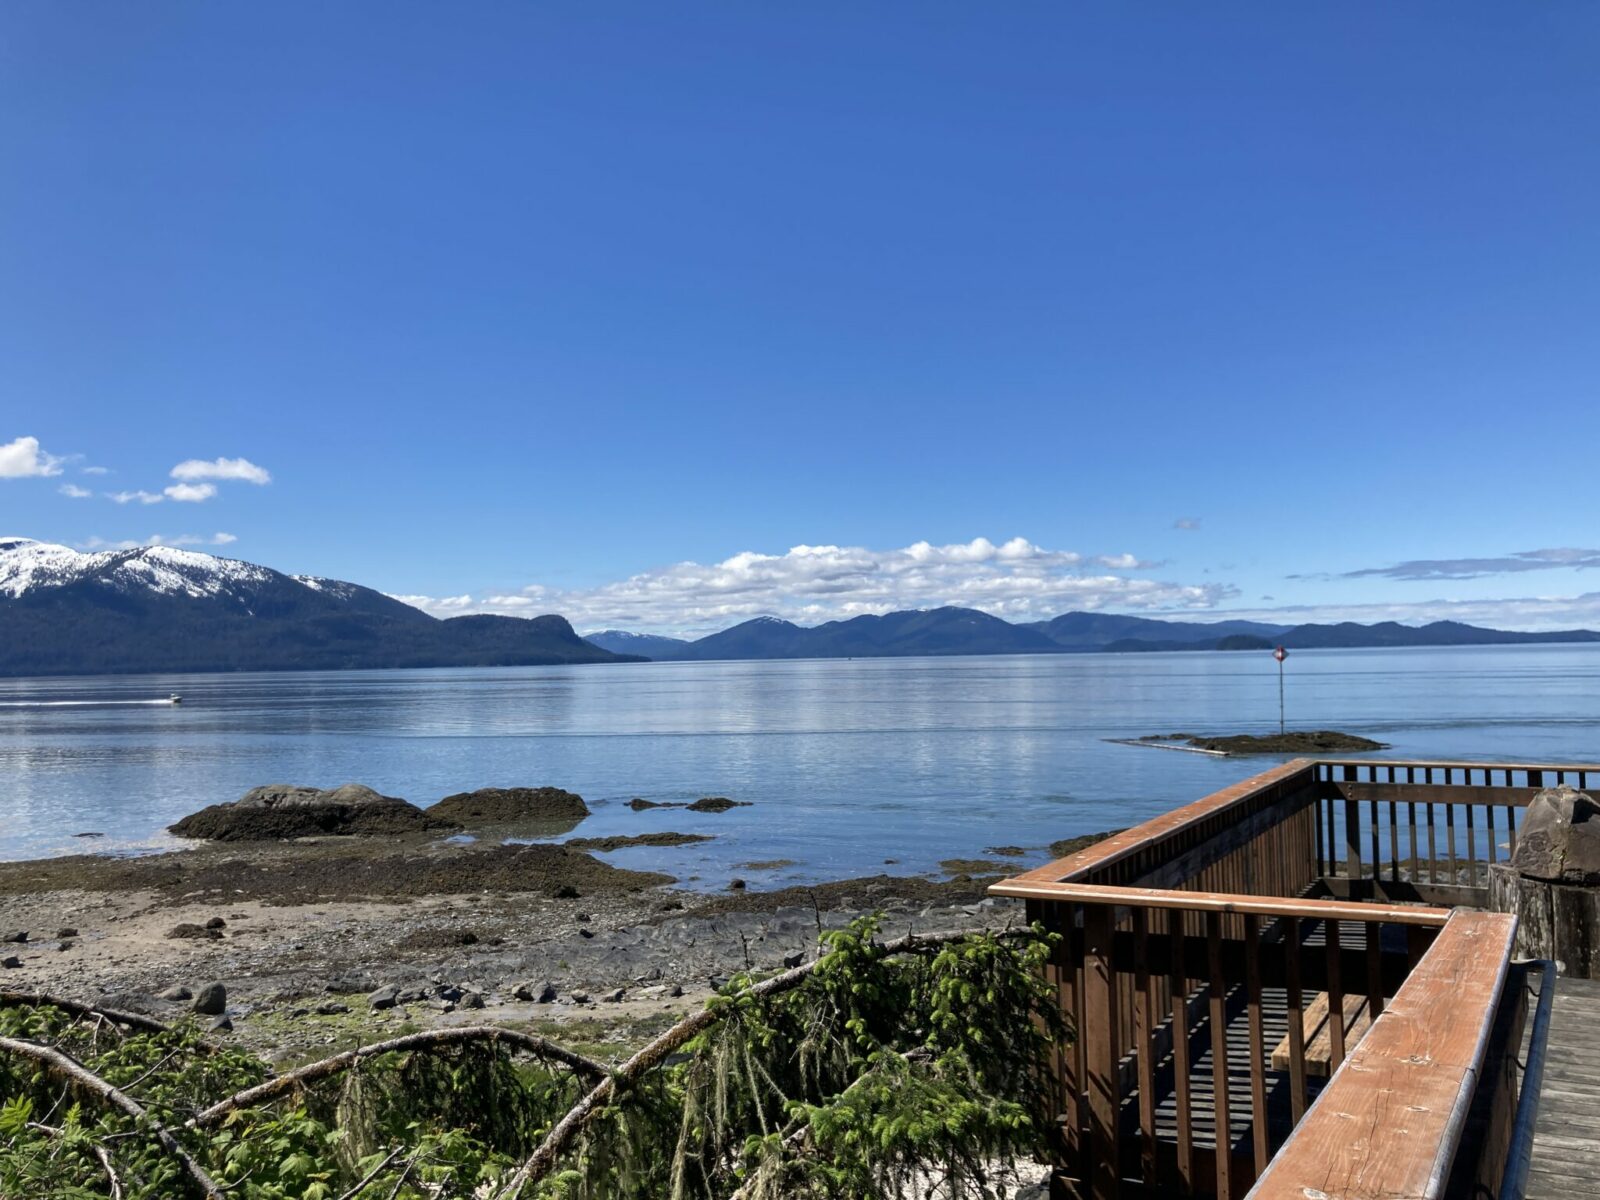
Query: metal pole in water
[{"x": 1280, "y": 654}]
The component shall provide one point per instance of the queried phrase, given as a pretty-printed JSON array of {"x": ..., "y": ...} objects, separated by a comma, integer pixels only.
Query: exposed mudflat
[{"x": 467, "y": 933}]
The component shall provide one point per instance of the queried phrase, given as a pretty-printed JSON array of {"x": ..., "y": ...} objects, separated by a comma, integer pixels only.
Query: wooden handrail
[
  {"x": 1216, "y": 902},
  {"x": 1390, "y": 1122},
  {"x": 1131, "y": 841}
]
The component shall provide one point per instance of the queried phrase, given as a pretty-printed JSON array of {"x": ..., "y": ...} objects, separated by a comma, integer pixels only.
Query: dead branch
[
  {"x": 429, "y": 1040},
  {"x": 543, "y": 1158},
  {"x": 40, "y": 1000},
  {"x": 69, "y": 1068}
]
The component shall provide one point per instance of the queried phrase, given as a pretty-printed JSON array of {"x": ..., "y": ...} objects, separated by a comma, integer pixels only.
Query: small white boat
[{"x": 174, "y": 699}]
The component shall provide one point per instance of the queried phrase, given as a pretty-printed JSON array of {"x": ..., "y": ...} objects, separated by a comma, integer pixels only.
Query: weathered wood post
[{"x": 1552, "y": 882}]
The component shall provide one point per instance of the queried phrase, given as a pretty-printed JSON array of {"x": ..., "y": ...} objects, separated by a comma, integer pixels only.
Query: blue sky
[{"x": 606, "y": 308}]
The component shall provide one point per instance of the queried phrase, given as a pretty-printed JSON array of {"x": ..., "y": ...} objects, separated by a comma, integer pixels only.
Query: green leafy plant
[{"x": 868, "y": 1074}]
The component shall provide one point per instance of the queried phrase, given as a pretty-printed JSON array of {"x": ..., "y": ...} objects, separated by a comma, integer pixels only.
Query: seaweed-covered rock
[
  {"x": 716, "y": 804},
  {"x": 510, "y": 806},
  {"x": 284, "y": 811},
  {"x": 620, "y": 842}
]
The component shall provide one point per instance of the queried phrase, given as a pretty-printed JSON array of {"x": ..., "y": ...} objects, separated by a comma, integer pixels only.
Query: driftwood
[
  {"x": 431, "y": 1040},
  {"x": 41, "y": 1000},
  {"x": 70, "y": 1069},
  {"x": 543, "y": 1158}
]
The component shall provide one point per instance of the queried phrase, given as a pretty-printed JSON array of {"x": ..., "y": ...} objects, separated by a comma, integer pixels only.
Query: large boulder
[
  {"x": 1559, "y": 841},
  {"x": 285, "y": 811},
  {"x": 511, "y": 806}
]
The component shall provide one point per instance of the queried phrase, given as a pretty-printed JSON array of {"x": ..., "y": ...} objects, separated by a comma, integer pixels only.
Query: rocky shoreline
[{"x": 335, "y": 940}]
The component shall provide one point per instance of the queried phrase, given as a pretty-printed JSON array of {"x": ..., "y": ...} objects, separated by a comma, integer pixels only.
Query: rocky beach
[{"x": 330, "y": 918}]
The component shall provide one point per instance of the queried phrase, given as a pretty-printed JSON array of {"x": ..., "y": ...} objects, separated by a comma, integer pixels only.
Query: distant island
[
  {"x": 968, "y": 631},
  {"x": 160, "y": 609}
]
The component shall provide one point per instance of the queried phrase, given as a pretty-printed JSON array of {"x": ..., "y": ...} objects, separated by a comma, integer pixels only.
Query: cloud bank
[
  {"x": 1017, "y": 580},
  {"x": 1553, "y": 559},
  {"x": 156, "y": 539}
]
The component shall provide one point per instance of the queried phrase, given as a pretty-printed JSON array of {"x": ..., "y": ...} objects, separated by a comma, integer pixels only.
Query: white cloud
[
  {"x": 1188, "y": 524},
  {"x": 97, "y": 470},
  {"x": 73, "y": 490},
  {"x": 1017, "y": 580},
  {"x": 24, "y": 459},
  {"x": 241, "y": 469},
  {"x": 141, "y": 497},
  {"x": 156, "y": 539},
  {"x": 191, "y": 493}
]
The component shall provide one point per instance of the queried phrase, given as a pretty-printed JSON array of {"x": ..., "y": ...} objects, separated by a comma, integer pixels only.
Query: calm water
[{"x": 847, "y": 763}]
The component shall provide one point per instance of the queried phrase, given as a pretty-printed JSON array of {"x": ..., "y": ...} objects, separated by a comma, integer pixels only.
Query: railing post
[{"x": 1103, "y": 1165}]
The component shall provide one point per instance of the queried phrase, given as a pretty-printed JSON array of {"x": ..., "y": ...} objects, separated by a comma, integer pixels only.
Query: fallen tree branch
[
  {"x": 104, "y": 1156},
  {"x": 41, "y": 1000},
  {"x": 543, "y": 1158},
  {"x": 373, "y": 1174},
  {"x": 75, "y": 1072},
  {"x": 429, "y": 1040}
]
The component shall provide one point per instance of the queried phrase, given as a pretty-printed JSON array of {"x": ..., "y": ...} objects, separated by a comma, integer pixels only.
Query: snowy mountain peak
[{"x": 29, "y": 566}]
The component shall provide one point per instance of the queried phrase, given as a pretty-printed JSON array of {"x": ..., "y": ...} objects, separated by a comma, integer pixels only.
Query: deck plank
[{"x": 1565, "y": 1162}]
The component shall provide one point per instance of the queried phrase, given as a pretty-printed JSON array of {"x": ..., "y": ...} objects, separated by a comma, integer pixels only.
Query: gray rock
[
  {"x": 613, "y": 996},
  {"x": 68, "y": 932},
  {"x": 212, "y": 1000},
  {"x": 471, "y": 1000},
  {"x": 580, "y": 997},
  {"x": 216, "y": 923},
  {"x": 736, "y": 885},
  {"x": 175, "y": 994},
  {"x": 332, "y": 1008},
  {"x": 412, "y": 994},
  {"x": 537, "y": 993},
  {"x": 650, "y": 976},
  {"x": 385, "y": 997},
  {"x": 20, "y": 935},
  {"x": 1560, "y": 838},
  {"x": 10, "y": 961},
  {"x": 348, "y": 985},
  {"x": 190, "y": 930},
  {"x": 221, "y": 1025}
]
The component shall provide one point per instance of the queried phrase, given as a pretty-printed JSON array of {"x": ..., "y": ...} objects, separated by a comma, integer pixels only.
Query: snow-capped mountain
[
  {"x": 159, "y": 608},
  {"x": 27, "y": 565}
]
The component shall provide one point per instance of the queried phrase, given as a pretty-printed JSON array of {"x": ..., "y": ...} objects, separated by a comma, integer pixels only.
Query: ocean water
[{"x": 846, "y": 764}]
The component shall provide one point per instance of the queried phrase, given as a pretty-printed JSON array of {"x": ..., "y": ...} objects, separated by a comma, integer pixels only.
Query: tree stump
[{"x": 1552, "y": 882}]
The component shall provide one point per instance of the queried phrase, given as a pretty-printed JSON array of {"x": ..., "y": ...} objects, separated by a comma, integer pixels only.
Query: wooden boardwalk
[{"x": 1565, "y": 1164}]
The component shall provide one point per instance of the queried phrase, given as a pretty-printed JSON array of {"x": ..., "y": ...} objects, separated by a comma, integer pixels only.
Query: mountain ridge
[
  {"x": 164, "y": 609},
  {"x": 950, "y": 631}
]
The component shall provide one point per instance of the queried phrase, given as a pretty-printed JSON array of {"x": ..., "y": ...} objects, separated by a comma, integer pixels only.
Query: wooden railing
[{"x": 1219, "y": 963}]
